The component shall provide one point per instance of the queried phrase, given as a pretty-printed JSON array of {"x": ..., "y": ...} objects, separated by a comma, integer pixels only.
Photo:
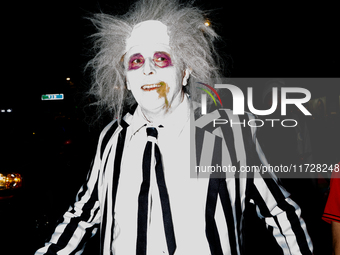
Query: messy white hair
[{"x": 191, "y": 42}]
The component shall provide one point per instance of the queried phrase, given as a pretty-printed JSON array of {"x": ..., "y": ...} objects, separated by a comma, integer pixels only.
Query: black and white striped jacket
[{"x": 236, "y": 145}]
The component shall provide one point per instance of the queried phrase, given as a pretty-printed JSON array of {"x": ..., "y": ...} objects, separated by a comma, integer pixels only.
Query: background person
[{"x": 332, "y": 209}]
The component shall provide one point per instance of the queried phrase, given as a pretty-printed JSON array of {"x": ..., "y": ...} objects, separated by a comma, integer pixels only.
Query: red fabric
[{"x": 332, "y": 209}]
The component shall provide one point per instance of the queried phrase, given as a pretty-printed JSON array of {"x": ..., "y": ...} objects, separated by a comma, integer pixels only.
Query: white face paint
[{"x": 151, "y": 73}]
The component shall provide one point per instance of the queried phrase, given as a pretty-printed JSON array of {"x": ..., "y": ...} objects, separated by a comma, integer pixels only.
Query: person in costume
[
  {"x": 332, "y": 210},
  {"x": 140, "y": 194}
]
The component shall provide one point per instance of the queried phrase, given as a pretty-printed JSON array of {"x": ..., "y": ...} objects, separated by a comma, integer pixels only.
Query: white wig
[{"x": 191, "y": 42}]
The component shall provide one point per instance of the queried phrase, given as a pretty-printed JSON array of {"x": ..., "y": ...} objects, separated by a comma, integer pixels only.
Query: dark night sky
[{"x": 48, "y": 41}]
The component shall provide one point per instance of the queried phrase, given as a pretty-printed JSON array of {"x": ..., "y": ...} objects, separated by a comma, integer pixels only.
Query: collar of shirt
[{"x": 175, "y": 122}]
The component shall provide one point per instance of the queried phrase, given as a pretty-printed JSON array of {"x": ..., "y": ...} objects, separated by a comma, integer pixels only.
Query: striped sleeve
[
  {"x": 82, "y": 219},
  {"x": 281, "y": 214}
]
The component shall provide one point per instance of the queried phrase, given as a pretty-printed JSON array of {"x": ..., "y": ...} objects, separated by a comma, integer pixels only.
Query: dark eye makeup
[
  {"x": 161, "y": 59},
  {"x": 136, "y": 61}
]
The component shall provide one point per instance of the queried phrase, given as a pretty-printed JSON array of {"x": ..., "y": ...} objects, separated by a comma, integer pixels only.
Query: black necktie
[{"x": 144, "y": 193}]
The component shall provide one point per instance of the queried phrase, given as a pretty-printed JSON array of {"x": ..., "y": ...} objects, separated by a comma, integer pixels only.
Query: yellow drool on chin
[{"x": 162, "y": 91}]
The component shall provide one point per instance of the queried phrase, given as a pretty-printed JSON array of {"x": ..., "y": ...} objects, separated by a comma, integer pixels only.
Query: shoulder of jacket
[
  {"x": 207, "y": 119},
  {"x": 110, "y": 128},
  {"x": 113, "y": 129},
  {"x": 230, "y": 113}
]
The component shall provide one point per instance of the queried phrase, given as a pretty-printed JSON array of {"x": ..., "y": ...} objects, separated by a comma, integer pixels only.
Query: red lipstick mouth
[{"x": 149, "y": 87}]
